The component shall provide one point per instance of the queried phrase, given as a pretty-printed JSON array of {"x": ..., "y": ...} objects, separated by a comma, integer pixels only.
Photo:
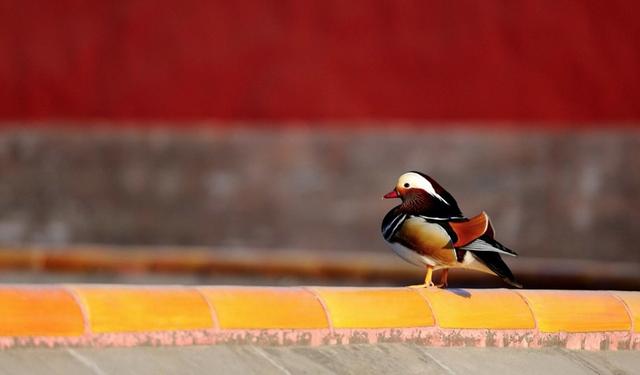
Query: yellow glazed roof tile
[
  {"x": 375, "y": 308},
  {"x": 263, "y": 308},
  {"x": 137, "y": 309},
  {"x": 495, "y": 309},
  {"x": 632, "y": 300},
  {"x": 577, "y": 311},
  {"x": 26, "y": 311}
]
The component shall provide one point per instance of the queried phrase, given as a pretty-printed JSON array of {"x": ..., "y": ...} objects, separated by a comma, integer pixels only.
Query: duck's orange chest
[{"x": 428, "y": 239}]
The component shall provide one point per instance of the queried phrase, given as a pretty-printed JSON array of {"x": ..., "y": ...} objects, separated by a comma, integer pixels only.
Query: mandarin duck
[{"x": 428, "y": 229}]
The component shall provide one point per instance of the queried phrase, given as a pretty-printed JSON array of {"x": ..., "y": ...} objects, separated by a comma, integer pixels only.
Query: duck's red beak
[{"x": 392, "y": 194}]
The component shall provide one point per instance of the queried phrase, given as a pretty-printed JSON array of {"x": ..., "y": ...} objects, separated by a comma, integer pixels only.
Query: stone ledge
[{"x": 122, "y": 315}]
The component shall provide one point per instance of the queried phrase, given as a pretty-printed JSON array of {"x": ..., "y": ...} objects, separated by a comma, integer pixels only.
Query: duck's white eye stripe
[
  {"x": 418, "y": 181},
  {"x": 429, "y": 188},
  {"x": 432, "y": 191}
]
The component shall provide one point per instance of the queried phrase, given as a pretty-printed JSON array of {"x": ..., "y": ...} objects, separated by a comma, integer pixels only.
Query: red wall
[{"x": 536, "y": 60}]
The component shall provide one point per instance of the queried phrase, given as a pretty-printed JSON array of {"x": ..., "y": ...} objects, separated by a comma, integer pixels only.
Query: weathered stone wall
[{"x": 568, "y": 194}]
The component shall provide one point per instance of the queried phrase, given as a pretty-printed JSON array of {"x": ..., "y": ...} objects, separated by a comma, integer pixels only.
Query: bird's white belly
[
  {"x": 468, "y": 262},
  {"x": 411, "y": 256}
]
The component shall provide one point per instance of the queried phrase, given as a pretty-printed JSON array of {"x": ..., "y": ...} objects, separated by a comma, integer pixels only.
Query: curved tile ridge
[
  {"x": 631, "y": 301},
  {"x": 266, "y": 308},
  {"x": 479, "y": 309},
  {"x": 375, "y": 308},
  {"x": 126, "y": 315},
  {"x": 118, "y": 308},
  {"x": 577, "y": 311},
  {"x": 39, "y": 311}
]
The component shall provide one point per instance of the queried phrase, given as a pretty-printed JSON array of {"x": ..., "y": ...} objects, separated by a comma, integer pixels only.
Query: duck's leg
[
  {"x": 427, "y": 279},
  {"x": 443, "y": 278}
]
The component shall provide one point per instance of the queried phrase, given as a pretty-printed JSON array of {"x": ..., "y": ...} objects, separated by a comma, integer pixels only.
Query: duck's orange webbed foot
[{"x": 427, "y": 280}]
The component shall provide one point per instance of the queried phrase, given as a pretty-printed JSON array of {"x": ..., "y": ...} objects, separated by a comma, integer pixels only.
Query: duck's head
[{"x": 421, "y": 193}]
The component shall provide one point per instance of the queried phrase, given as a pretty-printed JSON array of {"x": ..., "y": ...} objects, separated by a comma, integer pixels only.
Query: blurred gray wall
[{"x": 549, "y": 193}]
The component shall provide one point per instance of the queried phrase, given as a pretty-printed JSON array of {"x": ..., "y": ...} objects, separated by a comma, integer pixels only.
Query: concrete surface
[{"x": 348, "y": 359}]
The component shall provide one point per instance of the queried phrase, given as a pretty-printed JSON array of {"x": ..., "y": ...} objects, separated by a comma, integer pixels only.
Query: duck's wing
[
  {"x": 471, "y": 229},
  {"x": 477, "y": 234}
]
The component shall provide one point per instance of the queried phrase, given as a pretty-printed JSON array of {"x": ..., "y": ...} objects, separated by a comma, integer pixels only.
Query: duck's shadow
[{"x": 459, "y": 292}]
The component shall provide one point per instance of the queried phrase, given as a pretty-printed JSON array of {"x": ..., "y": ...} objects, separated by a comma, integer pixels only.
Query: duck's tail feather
[{"x": 493, "y": 261}]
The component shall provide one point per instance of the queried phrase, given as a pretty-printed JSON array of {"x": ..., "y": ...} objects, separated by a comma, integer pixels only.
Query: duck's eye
[{"x": 406, "y": 184}]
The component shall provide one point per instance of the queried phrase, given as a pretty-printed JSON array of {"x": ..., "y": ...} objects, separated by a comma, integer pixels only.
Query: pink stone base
[{"x": 429, "y": 336}]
